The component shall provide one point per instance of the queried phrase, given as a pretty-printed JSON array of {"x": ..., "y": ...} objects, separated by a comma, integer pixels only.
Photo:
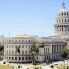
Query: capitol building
[{"x": 53, "y": 45}]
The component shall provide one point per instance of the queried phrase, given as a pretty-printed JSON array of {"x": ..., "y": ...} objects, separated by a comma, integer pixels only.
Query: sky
[{"x": 33, "y": 17}]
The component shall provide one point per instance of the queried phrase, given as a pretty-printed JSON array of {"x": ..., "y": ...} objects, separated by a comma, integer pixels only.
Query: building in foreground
[{"x": 17, "y": 49}]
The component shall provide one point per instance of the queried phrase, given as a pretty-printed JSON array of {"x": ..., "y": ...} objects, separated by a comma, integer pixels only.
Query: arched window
[
  {"x": 22, "y": 58},
  {"x": 19, "y": 58},
  {"x": 15, "y": 58},
  {"x": 9, "y": 58},
  {"x": 12, "y": 58},
  {"x": 65, "y": 20},
  {"x": 68, "y": 20},
  {"x": 67, "y": 13},
  {"x": 62, "y": 28},
  {"x": 59, "y": 20},
  {"x": 62, "y": 20},
  {"x": 64, "y": 13}
]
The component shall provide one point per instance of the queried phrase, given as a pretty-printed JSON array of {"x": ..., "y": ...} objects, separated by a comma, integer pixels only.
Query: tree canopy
[{"x": 64, "y": 53}]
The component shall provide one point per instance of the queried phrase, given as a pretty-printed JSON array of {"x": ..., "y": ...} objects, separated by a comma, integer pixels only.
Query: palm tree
[
  {"x": 64, "y": 55},
  {"x": 35, "y": 50},
  {"x": 18, "y": 50}
]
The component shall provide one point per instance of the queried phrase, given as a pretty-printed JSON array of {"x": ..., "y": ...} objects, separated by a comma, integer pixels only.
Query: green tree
[
  {"x": 1, "y": 51},
  {"x": 18, "y": 51},
  {"x": 64, "y": 55},
  {"x": 1, "y": 47},
  {"x": 35, "y": 50}
]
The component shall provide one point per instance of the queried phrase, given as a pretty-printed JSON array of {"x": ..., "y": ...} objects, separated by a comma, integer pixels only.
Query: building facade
[{"x": 17, "y": 49}]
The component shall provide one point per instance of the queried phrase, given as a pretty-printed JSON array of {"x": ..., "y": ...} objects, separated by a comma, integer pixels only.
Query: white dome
[{"x": 63, "y": 11}]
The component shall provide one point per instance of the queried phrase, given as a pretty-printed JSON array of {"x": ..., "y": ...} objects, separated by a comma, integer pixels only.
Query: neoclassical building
[{"x": 17, "y": 49}]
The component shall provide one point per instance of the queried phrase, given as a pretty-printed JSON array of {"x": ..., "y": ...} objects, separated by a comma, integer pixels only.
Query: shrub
[
  {"x": 19, "y": 66},
  {"x": 4, "y": 62},
  {"x": 67, "y": 67},
  {"x": 52, "y": 66},
  {"x": 36, "y": 68}
]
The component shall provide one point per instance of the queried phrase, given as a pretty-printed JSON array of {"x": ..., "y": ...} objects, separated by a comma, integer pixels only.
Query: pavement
[{"x": 30, "y": 66}]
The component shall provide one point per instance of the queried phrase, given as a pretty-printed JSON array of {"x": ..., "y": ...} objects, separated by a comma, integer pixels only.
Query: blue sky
[{"x": 34, "y": 17}]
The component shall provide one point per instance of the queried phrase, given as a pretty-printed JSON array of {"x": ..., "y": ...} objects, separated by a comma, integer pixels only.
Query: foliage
[
  {"x": 1, "y": 47},
  {"x": 18, "y": 49},
  {"x": 41, "y": 45},
  {"x": 4, "y": 62},
  {"x": 52, "y": 66},
  {"x": 64, "y": 53},
  {"x": 36, "y": 68},
  {"x": 35, "y": 49},
  {"x": 67, "y": 67},
  {"x": 19, "y": 66}
]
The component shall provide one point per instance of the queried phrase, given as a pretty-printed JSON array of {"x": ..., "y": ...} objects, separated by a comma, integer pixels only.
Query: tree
[
  {"x": 1, "y": 51},
  {"x": 64, "y": 54},
  {"x": 1, "y": 47},
  {"x": 35, "y": 50},
  {"x": 18, "y": 50}
]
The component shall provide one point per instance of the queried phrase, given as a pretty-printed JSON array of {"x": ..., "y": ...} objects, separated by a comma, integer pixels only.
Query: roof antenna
[
  {"x": 9, "y": 34},
  {"x": 63, "y": 4}
]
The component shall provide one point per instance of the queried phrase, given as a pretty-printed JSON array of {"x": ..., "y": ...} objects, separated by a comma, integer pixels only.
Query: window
[
  {"x": 67, "y": 13},
  {"x": 26, "y": 58},
  {"x": 9, "y": 40},
  {"x": 68, "y": 29},
  {"x": 22, "y": 52},
  {"x": 65, "y": 20},
  {"x": 22, "y": 46},
  {"x": 19, "y": 58},
  {"x": 19, "y": 40},
  {"x": 12, "y": 58},
  {"x": 59, "y": 20},
  {"x": 29, "y": 46},
  {"x": 48, "y": 50},
  {"x": 22, "y": 58},
  {"x": 9, "y": 58},
  {"x": 62, "y": 20},
  {"x": 12, "y": 46},
  {"x": 12, "y": 52},
  {"x": 26, "y": 51},
  {"x": 15, "y": 40},
  {"x": 68, "y": 20},
  {"x": 29, "y": 40},
  {"x": 9, "y": 52},
  {"x": 15, "y": 58},
  {"x": 29, "y": 58},
  {"x": 22, "y": 40},
  {"x": 64, "y": 13},
  {"x": 7, "y": 46},
  {"x": 62, "y": 28},
  {"x": 44, "y": 50}
]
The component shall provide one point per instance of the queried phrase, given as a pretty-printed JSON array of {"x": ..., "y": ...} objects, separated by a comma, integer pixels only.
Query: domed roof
[{"x": 63, "y": 10}]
